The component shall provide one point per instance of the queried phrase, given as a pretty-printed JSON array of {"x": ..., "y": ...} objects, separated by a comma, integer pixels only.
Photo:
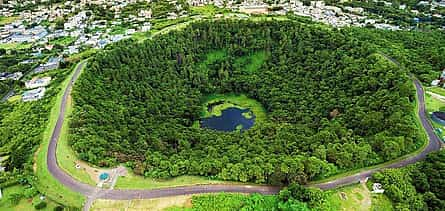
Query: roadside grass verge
[
  {"x": 166, "y": 203},
  {"x": 46, "y": 183},
  {"x": 132, "y": 181},
  {"x": 66, "y": 157}
]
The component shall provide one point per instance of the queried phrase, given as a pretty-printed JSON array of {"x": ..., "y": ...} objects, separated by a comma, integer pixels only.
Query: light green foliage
[
  {"x": 253, "y": 62},
  {"x": 233, "y": 100}
]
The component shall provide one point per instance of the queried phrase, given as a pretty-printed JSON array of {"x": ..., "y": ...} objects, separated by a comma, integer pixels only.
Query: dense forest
[
  {"x": 333, "y": 103},
  {"x": 294, "y": 197},
  {"x": 417, "y": 187}
]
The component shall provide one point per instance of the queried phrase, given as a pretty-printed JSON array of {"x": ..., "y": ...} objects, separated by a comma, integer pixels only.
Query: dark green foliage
[
  {"x": 40, "y": 205},
  {"x": 333, "y": 103},
  {"x": 416, "y": 187},
  {"x": 293, "y": 198}
]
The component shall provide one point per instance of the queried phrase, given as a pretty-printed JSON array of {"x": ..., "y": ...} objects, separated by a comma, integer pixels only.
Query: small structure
[
  {"x": 435, "y": 82},
  {"x": 37, "y": 82},
  {"x": 104, "y": 176},
  {"x": 2, "y": 168},
  {"x": 377, "y": 188},
  {"x": 53, "y": 63},
  {"x": 33, "y": 95},
  {"x": 12, "y": 76}
]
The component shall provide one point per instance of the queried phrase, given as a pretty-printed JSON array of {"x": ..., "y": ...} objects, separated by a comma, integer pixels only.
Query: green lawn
[
  {"x": 437, "y": 90},
  {"x": 357, "y": 197},
  {"x": 14, "y": 98},
  {"x": 15, "y": 46},
  {"x": 64, "y": 41},
  {"x": 253, "y": 62},
  {"x": 24, "y": 204},
  {"x": 380, "y": 202},
  {"x": 132, "y": 181},
  {"x": 208, "y": 10},
  {"x": 46, "y": 183},
  {"x": 431, "y": 105},
  {"x": 7, "y": 20}
]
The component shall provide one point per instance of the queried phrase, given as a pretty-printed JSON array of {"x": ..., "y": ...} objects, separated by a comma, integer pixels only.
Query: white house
[
  {"x": 37, "y": 82},
  {"x": 33, "y": 95},
  {"x": 377, "y": 188},
  {"x": 435, "y": 82}
]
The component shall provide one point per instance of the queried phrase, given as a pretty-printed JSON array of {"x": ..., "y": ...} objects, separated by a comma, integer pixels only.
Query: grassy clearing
[
  {"x": 23, "y": 204},
  {"x": 14, "y": 98},
  {"x": 433, "y": 104},
  {"x": 144, "y": 204},
  {"x": 214, "y": 56},
  {"x": 354, "y": 197},
  {"x": 358, "y": 197},
  {"x": 7, "y": 20},
  {"x": 380, "y": 202},
  {"x": 252, "y": 62},
  {"x": 437, "y": 90},
  {"x": 64, "y": 41},
  {"x": 132, "y": 181},
  {"x": 208, "y": 10},
  {"x": 15, "y": 46},
  {"x": 241, "y": 101},
  {"x": 83, "y": 55},
  {"x": 46, "y": 183}
]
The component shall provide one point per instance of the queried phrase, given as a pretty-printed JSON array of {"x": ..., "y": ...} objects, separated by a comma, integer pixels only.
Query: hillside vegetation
[{"x": 333, "y": 103}]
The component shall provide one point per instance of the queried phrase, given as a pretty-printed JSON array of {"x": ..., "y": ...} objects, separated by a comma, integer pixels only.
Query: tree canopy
[{"x": 333, "y": 103}]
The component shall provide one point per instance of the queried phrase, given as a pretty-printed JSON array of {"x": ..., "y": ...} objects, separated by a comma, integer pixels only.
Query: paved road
[{"x": 93, "y": 193}]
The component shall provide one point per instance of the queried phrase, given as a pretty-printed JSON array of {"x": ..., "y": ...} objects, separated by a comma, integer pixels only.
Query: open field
[
  {"x": 253, "y": 62},
  {"x": 64, "y": 41},
  {"x": 437, "y": 90},
  {"x": 358, "y": 198},
  {"x": 15, "y": 46},
  {"x": 143, "y": 204},
  {"x": 7, "y": 20}
]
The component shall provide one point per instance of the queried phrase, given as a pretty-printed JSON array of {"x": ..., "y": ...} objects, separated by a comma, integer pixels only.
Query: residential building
[
  {"x": 37, "y": 82},
  {"x": 33, "y": 95}
]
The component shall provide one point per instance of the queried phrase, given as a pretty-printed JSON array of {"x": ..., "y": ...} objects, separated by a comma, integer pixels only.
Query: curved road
[{"x": 92, "y": 192}]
